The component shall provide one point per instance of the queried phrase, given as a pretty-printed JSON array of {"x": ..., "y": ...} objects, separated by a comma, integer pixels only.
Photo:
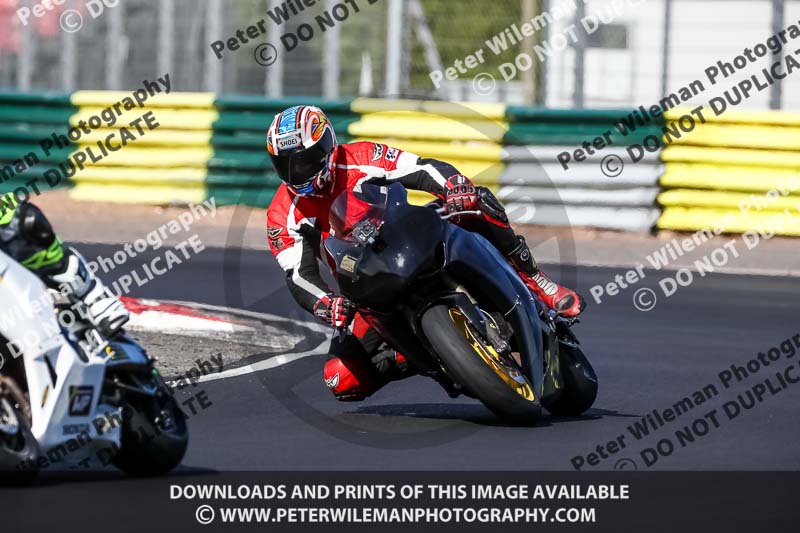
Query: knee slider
[{"x": 346, "y": 382}]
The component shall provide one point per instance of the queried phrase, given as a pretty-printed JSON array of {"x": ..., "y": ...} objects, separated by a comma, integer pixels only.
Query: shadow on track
[{"x": 471, "y": 413}]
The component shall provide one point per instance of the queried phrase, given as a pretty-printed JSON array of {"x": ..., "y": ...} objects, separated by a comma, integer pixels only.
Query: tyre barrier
[
  {"x": 737, "y": 172},
  {"x": 207, "y": 145}
]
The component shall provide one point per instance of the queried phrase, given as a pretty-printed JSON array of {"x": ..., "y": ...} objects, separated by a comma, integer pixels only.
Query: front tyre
[
  {"x": 495, "y": 380},
  {"x": 154, "y": 435},
  {"x": 19, "y": 450}
]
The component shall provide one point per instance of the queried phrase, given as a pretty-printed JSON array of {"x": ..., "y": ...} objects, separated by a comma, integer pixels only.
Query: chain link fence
[{"x": 398, "y": 48}]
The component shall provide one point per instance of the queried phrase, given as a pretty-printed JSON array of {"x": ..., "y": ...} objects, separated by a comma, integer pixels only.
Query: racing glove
[
  {"x": 336, "y": 311},
  {"x": 460, "y": 194}
]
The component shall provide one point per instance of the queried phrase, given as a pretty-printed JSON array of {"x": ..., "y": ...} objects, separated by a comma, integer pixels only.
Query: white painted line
[
  {"x": 175, "y": 323},
  {"x": 272, "y": 362},
  {"x": 314, "y": 326},
  {"x": 180, "y": 324}
]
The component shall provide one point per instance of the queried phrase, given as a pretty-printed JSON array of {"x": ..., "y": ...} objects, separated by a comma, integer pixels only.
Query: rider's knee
[{"x": 349, "y": 381}]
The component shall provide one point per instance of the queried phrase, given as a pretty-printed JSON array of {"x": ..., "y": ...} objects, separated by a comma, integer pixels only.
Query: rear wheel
[
  {"x": 580, "y": 383},
  {"x": 495, "y": 379}
]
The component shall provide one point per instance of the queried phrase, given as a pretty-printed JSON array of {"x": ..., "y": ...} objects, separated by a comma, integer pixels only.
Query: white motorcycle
[{"x": 71, "y": 399}]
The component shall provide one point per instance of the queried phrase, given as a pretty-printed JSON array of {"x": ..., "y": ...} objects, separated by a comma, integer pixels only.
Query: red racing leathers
[{"x": 297, "y": 226}]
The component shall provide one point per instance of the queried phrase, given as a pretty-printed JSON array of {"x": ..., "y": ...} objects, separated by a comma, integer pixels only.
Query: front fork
[{"x": 557, "y": 330}]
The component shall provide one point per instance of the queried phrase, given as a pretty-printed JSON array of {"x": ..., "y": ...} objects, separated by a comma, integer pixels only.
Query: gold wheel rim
[{"x": 511, "y": 377}]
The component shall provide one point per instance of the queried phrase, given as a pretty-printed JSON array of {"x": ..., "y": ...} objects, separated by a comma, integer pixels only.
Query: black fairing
[
  {"x": 477, "y": 265},
  {"x": 410, "y": 245},
  {"x": 402, "y": 273}
]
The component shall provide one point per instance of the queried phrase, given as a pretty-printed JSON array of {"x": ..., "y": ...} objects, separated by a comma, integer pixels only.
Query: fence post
[
  {"x": 116, "y": 43},
  {"x": 273, "y": 81},
  {"x": 394, "y": 46},
  {"x": 25, "y": 56},
  {"x": 330, "y": 75},
  {"x": 665, "y": 48},
  {"x": 166, "y": 35},
  {"x": 213, "y": 68},
  {"x": 580, "y": 58},
  {"x": 776, "y": 91},
  {"x": 541, "y": 83},
  {"x": 68, "y": 47}
]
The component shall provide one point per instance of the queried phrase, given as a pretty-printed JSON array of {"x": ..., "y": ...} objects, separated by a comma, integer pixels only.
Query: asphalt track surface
[{"x": 284, "y": 418}]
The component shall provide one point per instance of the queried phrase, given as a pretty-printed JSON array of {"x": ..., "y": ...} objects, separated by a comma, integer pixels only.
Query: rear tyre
[
  {"x": 154, "y": 436},
  {"x": 580, "y": 383},
  {"x": 19, "y": 451},
  {"x": 495, "y": 380}
]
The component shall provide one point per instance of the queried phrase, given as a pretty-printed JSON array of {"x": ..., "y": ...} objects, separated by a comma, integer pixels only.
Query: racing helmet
[{"x": 301, "y": 143}]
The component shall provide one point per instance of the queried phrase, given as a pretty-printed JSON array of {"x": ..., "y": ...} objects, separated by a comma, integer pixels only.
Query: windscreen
[{"x": 357, "y": 216}]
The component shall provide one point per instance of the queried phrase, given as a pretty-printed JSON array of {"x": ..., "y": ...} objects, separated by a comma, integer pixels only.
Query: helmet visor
[{"x": 298, "y": 167}]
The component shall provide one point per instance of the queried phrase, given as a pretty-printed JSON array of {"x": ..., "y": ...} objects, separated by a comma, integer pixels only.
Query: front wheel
[
  {"x": 496, "y": 380},
  {"x": 154, "y": 436},
  {"x": 19, "y": 450}
]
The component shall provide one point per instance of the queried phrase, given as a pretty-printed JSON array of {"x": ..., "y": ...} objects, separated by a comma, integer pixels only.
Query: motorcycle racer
[
  {"x": 314, "y": 169},
  {"x": 27, "y": 236}
]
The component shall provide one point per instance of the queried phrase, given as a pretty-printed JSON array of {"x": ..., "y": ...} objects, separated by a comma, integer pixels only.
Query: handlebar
[{"x": 442, "y": 211}]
